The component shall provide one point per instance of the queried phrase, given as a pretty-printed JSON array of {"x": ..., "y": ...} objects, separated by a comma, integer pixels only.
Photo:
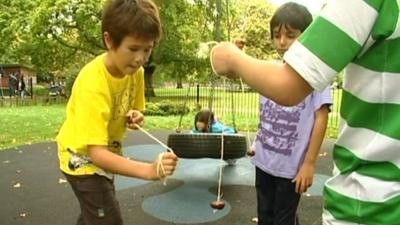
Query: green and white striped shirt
[{"x": 364, "y": 37}]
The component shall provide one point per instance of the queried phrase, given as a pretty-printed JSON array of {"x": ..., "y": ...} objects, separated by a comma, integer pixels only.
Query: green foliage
[
  {"x": 28, "y": 125},
  {"x": 184, "y": 28},
  {"x": 66, "y": 30},
  {"x": 40, "y": 90},
  {"x": 14, "y": 29},
  {"x": 49, "y": 35},
  {"x": 250, "y": 20},
  {"x": 69, "y": 82},
  {"x": 33, "y": 124},
  {"x": 166, "y": 108},
  {"x": 57, "y": 36}
]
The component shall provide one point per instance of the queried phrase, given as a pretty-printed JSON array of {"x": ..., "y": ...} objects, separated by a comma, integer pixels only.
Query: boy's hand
[
  {"x": 304, "y": 178},
  {"x": 165, "y": 165},
  {"x": 134, "y": 117},
  {"x": 240, "y": 43},
  {"x": 221, "y": 54}
]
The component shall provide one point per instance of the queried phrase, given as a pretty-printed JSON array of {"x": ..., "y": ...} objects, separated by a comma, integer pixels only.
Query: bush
[
  {"x": 166, "y": 108},
  {"x": 40, "y": 90},
  {"x": 70, "y": 79}
]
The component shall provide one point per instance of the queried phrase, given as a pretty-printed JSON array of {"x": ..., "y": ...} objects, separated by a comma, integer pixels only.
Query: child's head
[
  {"x": 287, "y": 23},
  {"x": 130, "y": 29},
  {"x": 203, "y": 120}
]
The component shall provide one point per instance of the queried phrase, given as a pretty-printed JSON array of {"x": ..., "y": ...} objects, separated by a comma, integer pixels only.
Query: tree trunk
[
  {"x": 148, "y": 80},
  {"x": 218, "y": 20},
  {"x": 179, "y": 84}
]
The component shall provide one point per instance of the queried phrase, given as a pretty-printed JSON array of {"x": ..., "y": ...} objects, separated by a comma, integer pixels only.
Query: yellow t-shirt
[{"x": 96, "y": 113}]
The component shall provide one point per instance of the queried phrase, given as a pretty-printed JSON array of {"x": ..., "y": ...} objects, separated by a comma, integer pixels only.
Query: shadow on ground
[{"x": 34, "y": 192}]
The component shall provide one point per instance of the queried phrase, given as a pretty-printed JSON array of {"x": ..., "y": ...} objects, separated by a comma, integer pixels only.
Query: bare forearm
[
  {"x": 117, "y": 164},
  {"x": 276, "y": 81},
  {"x": 317, "y": 135}
]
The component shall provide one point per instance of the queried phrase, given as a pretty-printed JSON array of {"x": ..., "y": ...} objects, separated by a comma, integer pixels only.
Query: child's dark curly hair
[{"x": 205, "y": 116}]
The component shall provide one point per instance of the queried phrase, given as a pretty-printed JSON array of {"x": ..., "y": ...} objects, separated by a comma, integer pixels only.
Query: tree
[
  {"x": 14, "y": 29},
  {"x": 250, "y": 20},
  {"x": 67, "y": 30},
  {"x": 184, "y": 27},
  {"x": 58, "y": 36},
  {"x": 50, "y": 35}
]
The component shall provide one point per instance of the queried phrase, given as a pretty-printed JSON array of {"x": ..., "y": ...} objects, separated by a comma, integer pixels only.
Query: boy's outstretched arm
[
  {"x": 117, "y": 164},
  {"x": 305, "y": 176},
  {"x": 276, "y": 81}
]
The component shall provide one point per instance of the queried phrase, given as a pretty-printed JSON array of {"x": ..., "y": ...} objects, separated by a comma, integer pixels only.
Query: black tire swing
[{"x": 208, "y": 145}]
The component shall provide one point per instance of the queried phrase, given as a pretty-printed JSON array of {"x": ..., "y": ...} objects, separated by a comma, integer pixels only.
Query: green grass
[
  {"x": 29, "y": 124},
  {"x": 33, "y": 124}
]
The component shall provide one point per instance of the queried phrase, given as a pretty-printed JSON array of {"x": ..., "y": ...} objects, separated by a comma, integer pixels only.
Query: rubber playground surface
[{"x": 34, "y": 192}]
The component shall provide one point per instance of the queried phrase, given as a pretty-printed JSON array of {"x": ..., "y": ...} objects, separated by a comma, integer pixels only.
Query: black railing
[
  {"x": 228, "y": 100},
  {"x": 231, "y": 100},
  {"x": 31, "y": 101}
]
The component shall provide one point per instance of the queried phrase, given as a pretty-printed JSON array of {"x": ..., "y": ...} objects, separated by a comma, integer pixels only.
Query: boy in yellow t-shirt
[{"x": 107, "y": 97}]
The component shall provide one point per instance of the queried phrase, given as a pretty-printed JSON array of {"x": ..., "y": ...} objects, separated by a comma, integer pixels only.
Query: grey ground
[{"x": 34, "y": 192}]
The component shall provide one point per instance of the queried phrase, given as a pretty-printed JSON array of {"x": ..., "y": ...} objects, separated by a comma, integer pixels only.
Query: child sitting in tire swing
[{"x": 205, "y": 122}]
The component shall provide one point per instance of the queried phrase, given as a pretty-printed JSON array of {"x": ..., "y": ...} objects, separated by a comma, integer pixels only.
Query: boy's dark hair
[
  {"x": 205, "y": 116},
  {"x": 131, "y": 17},
  {"x": 295, "y": 15}
]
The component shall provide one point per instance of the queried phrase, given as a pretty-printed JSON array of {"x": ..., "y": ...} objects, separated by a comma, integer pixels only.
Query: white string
[
  {"x": 247, "y": 118},
  {"x": 160, "y": 166},
  {"x": 222, "y": 134},
  {"x": 154, "y": 138},
  {"x": 242, "y": 90},
  {"x": 222, "y": 153},
  {"x": 211, "y": 54},
  {"x": 221, "y": 162},
  {"x": 220, "y": 167}
]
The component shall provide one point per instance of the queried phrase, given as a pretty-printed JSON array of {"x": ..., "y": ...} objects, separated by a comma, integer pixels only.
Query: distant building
[
  {"x": 7, "y": 70},
  {"x": 11, "y": 74}
]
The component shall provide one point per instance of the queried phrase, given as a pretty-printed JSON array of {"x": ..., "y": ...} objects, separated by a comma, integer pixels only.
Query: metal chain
[
  {"x": 233, "y": 107},
  {"x": 179, "y": 127}
]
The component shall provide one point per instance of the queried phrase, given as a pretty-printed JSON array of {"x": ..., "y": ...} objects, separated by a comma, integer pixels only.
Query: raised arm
[{"x": 276, "y": 81}]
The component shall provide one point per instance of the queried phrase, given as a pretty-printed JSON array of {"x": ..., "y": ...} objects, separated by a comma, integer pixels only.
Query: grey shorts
[{"x": 97, "y": 200}]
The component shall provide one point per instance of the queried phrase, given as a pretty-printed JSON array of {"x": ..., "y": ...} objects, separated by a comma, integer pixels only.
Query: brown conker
[
  {"x": 218, "y": 204},
  {"x": 251, "y": 153}
]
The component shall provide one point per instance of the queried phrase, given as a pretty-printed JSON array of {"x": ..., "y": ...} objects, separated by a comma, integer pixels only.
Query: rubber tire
[{"x": 207, "y": 145}]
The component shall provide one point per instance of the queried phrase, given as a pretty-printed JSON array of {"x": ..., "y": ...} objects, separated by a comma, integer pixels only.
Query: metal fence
[
  {"x": 31, "y": 101},
  {"x": 232, "y": 100}
]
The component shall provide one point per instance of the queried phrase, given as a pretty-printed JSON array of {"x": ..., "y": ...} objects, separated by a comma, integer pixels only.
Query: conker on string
[
  {"x": 251, "y": 153},
  {"x": 218, "y": 204}
]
